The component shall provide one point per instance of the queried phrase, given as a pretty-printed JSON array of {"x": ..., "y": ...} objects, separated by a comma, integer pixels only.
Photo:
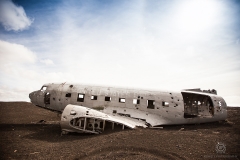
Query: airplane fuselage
[{"x": 154, "y": 107}]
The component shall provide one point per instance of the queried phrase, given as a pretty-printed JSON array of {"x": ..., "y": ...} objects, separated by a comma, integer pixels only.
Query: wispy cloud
[
  {"x": 142, "y": 44},
  {"x": 47, "y": 61},
  {"x": 12, "y": 53},
  {"x": 19, "y": 73},
  {"x": 13, "y": 17}
]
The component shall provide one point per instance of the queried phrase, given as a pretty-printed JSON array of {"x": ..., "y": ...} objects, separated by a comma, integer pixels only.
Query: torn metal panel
[
  {"x": 95, "y": 107},
  {"x": 83, "y": 119}
]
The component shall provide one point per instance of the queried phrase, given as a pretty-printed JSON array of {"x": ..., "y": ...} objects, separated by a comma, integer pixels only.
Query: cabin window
[
  {"x": 44, "y": 88},
  {"x": 108, "y": 99},
  {"x": 80, "y": 97},
  {"x": 220, "y": 103},
  {"x": 68, "y": 95},
  {"x": 166, "y": 104},
  {"x": 150, "y": 104},
  {"x": 47, "y": 98},
  {"x": 136, "y": 101},
  {"x": 199, "y": 103},
  {"x": 122, "y": 100},
  {"x": 93, "y": 97}
]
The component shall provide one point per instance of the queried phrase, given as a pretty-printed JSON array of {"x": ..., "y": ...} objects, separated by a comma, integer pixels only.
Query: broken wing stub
[{"x": 86, "y": 120}]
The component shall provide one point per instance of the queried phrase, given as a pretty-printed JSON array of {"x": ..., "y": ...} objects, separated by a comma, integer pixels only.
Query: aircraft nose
[{"x": 31, "y": 95}]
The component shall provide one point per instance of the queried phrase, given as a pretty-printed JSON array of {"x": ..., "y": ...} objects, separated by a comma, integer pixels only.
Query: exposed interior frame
[{"x": 197, "y": 105}]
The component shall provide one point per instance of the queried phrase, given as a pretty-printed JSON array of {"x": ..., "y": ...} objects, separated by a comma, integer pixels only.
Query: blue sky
[{"x": 154, "y": 44}]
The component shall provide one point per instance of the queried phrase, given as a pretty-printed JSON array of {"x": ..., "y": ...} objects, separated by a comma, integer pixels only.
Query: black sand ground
[{"x": 21, "y": 137}]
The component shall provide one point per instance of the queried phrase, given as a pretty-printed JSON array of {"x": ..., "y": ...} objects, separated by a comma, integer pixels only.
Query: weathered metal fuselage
[{"x": 154, "y": 107}]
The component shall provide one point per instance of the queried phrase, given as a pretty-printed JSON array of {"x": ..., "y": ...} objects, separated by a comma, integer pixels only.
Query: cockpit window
[{"x": 44, "y": 88}]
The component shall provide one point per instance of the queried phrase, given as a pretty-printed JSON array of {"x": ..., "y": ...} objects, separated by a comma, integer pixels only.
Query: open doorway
[
  {"x": 47, "y": 98},
  {"x": 197, "y": 105}
]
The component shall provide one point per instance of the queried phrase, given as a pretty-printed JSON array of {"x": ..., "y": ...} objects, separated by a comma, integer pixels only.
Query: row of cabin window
[{"x": 150, "y": 103}]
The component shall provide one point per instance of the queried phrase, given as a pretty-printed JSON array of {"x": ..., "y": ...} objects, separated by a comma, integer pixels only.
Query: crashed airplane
[{"x": 92, "y": 109}]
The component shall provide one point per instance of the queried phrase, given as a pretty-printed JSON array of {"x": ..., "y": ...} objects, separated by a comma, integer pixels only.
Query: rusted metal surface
[{"x": 121, "y": 105}]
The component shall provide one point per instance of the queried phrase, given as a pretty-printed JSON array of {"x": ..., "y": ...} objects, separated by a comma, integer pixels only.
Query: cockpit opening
[{"x": 44, "y": 88}]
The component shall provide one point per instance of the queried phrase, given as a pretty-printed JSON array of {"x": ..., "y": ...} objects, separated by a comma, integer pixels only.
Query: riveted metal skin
[{"x": 95, "y": 105}]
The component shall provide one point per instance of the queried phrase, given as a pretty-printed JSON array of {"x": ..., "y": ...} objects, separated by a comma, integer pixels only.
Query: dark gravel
[{"x": 30, "y": 132}]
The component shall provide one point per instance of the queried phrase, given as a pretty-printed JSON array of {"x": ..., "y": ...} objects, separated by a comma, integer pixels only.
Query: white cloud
[
  {"x": 20, "y": 73},
  {"x": 14, "y": 94},
  {"x": 13, "y": 17},
  {"x": 47, "y": 61},
  {"x": 14, "y": 54},
  {"x": 126, "y": 46}
]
